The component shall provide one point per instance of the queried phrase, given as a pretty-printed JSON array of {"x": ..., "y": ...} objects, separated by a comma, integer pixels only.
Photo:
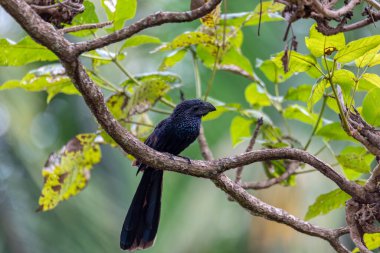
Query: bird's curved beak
[{"x": 207, "y": 107}]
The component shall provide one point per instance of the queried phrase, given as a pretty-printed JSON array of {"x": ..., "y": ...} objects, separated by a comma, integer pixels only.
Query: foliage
[{"x": 330, "y": 61}]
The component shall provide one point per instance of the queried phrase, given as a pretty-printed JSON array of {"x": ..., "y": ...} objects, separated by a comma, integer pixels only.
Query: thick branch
[
  {"x": 156, "y": 19},
  {"x": 258, "y": 208}
]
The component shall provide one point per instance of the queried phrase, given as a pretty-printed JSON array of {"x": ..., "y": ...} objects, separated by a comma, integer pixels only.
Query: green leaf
[
  {"x": 67, "y": 172},
  {"x": 300, "y": 113},
  {"x": 372, "y": 78},
  {"x": 355, "y": 159},
  {"x": 138, "y": 40},
  {"x": 357, "y": 48},
  {"x": 117, "y": 104},
  {"x": 234, "y": 60},
  {"x": 240, "y": 129},
  {"x": 327, "y": 202},
  {"x": 320, "y": 45},
  {"x": 299, "y": 93},
  {"x": 297, "y": 63},
  {"x": 372, "y": 241},
  {"x": 87, "y": 17},
  {"x": 168, "y": 77},
  {"x": 188, "y": 39},
  {"x": 23, "y": 52},
  {"x": 375, "y": 61},
  {"x": 345, "y": 78},
  {"x": 371, "y": 108},
  {"x": 333, "y": 131},
  {"x": 255, "y": 95},
  {"x": 49, "y": 78},
  {"x": 146, "y": 95},
  {"x": 270, "y": 12},
  {"x": 172, "y": 59},
  {"x": 121, "y": 12},
  {"x": 367, "y": 58},
  {"x": 316, "y": 93}
]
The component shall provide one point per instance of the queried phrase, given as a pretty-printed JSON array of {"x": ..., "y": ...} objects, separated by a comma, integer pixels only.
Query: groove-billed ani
[{"x": 172, "y": 135}]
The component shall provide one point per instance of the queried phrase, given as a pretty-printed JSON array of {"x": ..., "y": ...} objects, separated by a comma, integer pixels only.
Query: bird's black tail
[{"x": 141, "y": 223}]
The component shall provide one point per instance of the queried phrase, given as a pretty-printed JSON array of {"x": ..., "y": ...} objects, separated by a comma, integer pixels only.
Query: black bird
[{"x": 172, "y": 135}]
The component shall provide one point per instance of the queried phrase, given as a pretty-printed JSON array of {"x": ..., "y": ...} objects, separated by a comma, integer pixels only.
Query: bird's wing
[{"x": 157, "y": 139}]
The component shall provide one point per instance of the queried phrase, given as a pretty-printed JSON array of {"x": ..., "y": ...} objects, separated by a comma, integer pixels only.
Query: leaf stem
[
  {"x": 125, "y": 71},
  {"x": 160, "y": 111},
  {"x": 198, "y": 84},
  {"x": 317, "y": 123}
]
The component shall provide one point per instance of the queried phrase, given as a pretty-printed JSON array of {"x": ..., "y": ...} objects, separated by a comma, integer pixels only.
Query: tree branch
[{"x": 156, "y": 19}]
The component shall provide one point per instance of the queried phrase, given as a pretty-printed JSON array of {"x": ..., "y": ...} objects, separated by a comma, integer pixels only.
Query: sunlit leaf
[
  {"x": 316, "y": 93},
  {"x": 300, "y": 113},
  {"x": 372, "y": 242},
  {"x": 333, "y": 131},
  {"x": 367, "y": 58},
  {"x": 270, "y": 12},
  {"x": 67, "y": 172},
  {"x": 320, "y": 45},
  {"x": 211, "y": 19},
  {"x": 146, "y": 95},
  {"x": 274, "y": 69},
  {"x": 355, "y": 159},
  {"x": 326, "y": 203},
  {"x": 119, "y": 11},
  {"x": 50, "y": 78},
  {"x": 117, "y": 104},
  {"x": 23, "y": 52},
  {"x": 172, "y": 59},
  {"x": 188, "y": 39},
  {"x": 255, "y": 95},
  {"x": 372, "y": 78},
  {"x": 375, "y": 61},
  {"x": 240, "y": 129},
  {"x": 371, "y": 108},
  {"x": 168, "y": 77},
  {"x": 357, "y": 48},
  {"x": 299, "y": 93}
]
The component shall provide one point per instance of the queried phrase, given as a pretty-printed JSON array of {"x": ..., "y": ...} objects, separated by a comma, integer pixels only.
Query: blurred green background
[{"x": 196, "y": 216}]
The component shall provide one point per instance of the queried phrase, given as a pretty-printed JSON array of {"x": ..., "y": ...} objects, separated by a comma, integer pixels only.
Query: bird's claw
[
  {"x": 171, "y": 156},
  {"x": 186, "y": 158}
]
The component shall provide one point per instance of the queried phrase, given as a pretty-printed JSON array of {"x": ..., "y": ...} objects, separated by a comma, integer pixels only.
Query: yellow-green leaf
[
  {"x": 300, "y": 113},
  {"x": 188, "y": 39},
  {"x": 117, "y": 104},
  {"x": 49, "y": 78},
  {"x": 371, "y": 108},
  {"x": 172, "y": 59},
  {"x": 23, "y": 52},
  {"x": 299, "y": 93},
  {"x": 327, "y": 202},
  {"x": 357, "y": 48},
  {"x": 372, "y": 241},
  {"x": 119, "y": 12},
  {"x": 316, "y": 93},
  {"x": 138, "y": 40},
  {"x": 355, "y": 159},
  {"x": 240, "y": 129},
  {"x": 146, "y": 95},
  {"x": 256, "y": 96},
  {"x": 268, "y": 12},
  {"x": 367, "y": 58},
  {"x": 67, "y": 172},
  {"x": 334, "y": 131},
  {"x": 320, "y": 45}
]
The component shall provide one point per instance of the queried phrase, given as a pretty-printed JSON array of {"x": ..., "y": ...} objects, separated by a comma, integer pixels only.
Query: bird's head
[{"x": 193, "y": 107}]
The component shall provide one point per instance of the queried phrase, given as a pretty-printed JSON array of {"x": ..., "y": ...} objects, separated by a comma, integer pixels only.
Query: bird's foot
[
  {"x": 186, "y": 158},
  {"x": 171, "y": 156}
]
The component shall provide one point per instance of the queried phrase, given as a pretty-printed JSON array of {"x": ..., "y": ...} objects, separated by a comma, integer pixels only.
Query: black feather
[{"x": 171, "y": 135}]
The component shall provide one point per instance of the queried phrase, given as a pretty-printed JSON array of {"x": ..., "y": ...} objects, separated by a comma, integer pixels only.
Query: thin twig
[
  {"x": 205, "y": 149},
  {"x": 291, "y": 169},
  {"x": 239, "y": 170},
  {"x": 85, "y": 27}
]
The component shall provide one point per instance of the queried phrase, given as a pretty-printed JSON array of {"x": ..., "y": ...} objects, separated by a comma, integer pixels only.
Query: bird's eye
[{"x": 195, "y": 108}]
